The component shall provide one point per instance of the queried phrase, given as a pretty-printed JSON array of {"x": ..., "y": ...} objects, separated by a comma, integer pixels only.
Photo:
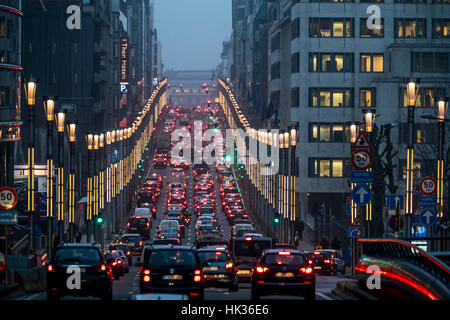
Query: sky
[{"x": 192, "y": 31}]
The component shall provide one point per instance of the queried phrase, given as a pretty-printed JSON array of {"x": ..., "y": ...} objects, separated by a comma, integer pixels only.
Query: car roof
[
  {"x": 79, "y": 245},
  {"x": 131, "y": 235},
  {"x": 170, "y": 246}
]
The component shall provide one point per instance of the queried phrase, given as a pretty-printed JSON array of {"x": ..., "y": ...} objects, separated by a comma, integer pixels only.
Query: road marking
[
  {"x": 323, "y": 296},
  {"x": 31, "y": 297}
]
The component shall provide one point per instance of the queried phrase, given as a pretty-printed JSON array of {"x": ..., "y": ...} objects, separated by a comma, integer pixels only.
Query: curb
[{"x": 352, "y": 287}]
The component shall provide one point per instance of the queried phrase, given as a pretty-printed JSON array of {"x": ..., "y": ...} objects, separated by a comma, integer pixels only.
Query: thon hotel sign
[{"x": 124, "y": 61}]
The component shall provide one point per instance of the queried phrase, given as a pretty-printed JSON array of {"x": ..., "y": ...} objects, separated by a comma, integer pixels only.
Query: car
[
  {"x": 181, "y": 223},
  {"x": 150, "y": 206},
  {"x": 140, "y": 225},
  {"x": 245, "y": 252},
  {"x": 171, "y": 269},
  {"x": 120, "y": 262},
  {"x": 169, "y": 233},
  {"x": 113, "y": 263},
  {"x": 96, "y": 275},
  {"x": 124, "y": 248},
  {"x": 142, "y": 212},
  {"x": 168, "y": 224},
  {"x": 125, "y": 265},
  {"x": 335, "y": 258},
  {"x": 134, "y": 242},
  {"x": 239, "y": 229},
  {"x": 282, "y": 271},
  {"x": 321, "y": 262},
  {"x": 219, "y": 268}
]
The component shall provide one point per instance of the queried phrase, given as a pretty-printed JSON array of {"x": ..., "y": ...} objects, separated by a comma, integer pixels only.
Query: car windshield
[
  {"x": 167, "y": 258},
  {"x": 252, "y": 248},
  {"x": 142, "y": 212},
  {"x": 131, "y": 239},
  {"x": 213, "y": 256},
  {"x": 168, "y": 223},
  {"x": 78, "y": 255},
  {"x": 288, "y": 259},
  {"x": 137, "y": 222}
]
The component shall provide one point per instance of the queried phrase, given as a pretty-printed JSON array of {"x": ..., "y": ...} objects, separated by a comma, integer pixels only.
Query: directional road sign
[
  {"x": 427, "y": 186},
  {"x": 427, "y": 201},
  {"x": 428, "y": 216},
  {"x": 362, "y": 176},
  {"x": 362, "y": 141},
  {"x": 8, "y": 198},
  {"x": 361, "y": 159},
  {"x": 393, "y": 198},
  {"x": 353, "y": 232},
  {"x": 361, "y": 194},
  {"x": 8, "y": 217}
]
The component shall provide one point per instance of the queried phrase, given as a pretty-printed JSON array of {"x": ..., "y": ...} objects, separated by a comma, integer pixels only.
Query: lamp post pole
[
  {"x": 95, "y": 203},
  {"x": 90, "y": 143},
  {"x": 108, "y": 215},
  {"x": 442, "y": 110},
  {"x": 31, "y": 101},
  {"x": 281, "y": 185},
  {"x": 101, "y": 184},
  {"x": 294, "y": 137},
  {"x": 49, "y": 105},
  {"x": 60, "y": 127},
  {"x": 369, "y": 118},
  {"x": 72, "y": 140}
]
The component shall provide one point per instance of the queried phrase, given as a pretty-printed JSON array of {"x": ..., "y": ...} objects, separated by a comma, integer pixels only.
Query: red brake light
[
  {"x": 102, "y": 267},
  {"x": 248, "y": 238},
  {"x": 229, "y": 265},
  {"x": 146, "y": 271},
  {"x": 326, "y": 261},
  {"x": 306, "y": 270},
  {"x": 148, "y": 224},
  {"x": 146, "y": 278},
  {"x": 262, "y": 269},
  {"x": 197, "y": 272},
  {"x": 128, "y": 253},
  {"x": 140, "y": 243},
  {"x": 119, "y": 262},
  {"x": 316, "y": 252},
  {"x": 284, "y": 253},
  {"x": 309, "y": 261},
  {"x": 50, "y": 268}
]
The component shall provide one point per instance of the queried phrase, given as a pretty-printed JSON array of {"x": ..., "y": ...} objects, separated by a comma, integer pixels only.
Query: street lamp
[
  {"x": 412, "y": 89},
  {"x": 72, "y": 139},
  {"x": 442, "y": 106},
  {"x": 49, "y": 108},
  {"x": 90, "y": 146},
  {"x": 293, "y": 139},
  {"x": 30, "y": 92},
  {"x": 60, "y": 119},
  {"x": 96, "y": 140},
  {"x": 369, "y": 120},
  {"x": 101, "y": 204},
  {"x": 281, "y": 183},
  {"x": 286, "y": 186}
]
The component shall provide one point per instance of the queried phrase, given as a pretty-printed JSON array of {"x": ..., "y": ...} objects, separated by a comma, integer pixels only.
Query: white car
[
  {"x": 240, "y": 227},
  {"x": 142, "y": 212}
]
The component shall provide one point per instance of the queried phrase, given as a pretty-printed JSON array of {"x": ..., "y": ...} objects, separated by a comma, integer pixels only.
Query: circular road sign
[
  {"x": 393, "y": 223},
  {"x": 8, "y": 198},
  {"x": 427, "y": 186},
  {"x": 361, "y": 159}
]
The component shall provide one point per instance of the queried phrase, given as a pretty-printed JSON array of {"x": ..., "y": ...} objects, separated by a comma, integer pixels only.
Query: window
[
  {"x": 371, "y": 62},
  {"x": 331, "y": 27},
  {"x": 331, "y": 62},
  {"x": 441, "y": 28},
  {"x": 296, "y": 28},
  {"x": 2, "y": 27},
  {"x": 430, "y": 62},
  {"x": 275, "y": 70},
  {"x": 295, "y": 63},
  {"x": 295, "y": 101},
  {"x": 331, "y": 97},
  {"x": 410, "y": 28},
  {"x": 426, "y": 97},
  {"x": 328, "y": 168},
  {"x": 367, "y": 97},
  {"x": 327, "y": 132},
  {"x": 275, "y": 43},
  {"x": 366, "y": 32}
]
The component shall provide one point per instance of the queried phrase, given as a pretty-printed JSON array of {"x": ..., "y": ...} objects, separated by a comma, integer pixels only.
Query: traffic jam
[{"x": 190, "y": 236}]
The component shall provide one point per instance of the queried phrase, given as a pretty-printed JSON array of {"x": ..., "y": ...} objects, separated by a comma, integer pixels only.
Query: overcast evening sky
[{"x": 192, "y": 31}]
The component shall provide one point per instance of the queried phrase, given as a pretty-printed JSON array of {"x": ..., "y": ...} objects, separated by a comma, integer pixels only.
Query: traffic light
[
  {"x": 228, "y": 159},
  {"x": 209, "y": 103},
  {"x": 276, "y": 218},
  {"x": 99, "y": 220}
]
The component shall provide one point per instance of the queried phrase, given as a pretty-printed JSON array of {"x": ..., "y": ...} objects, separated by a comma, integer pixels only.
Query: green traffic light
[
  {"x": 228, "y": 159},
  {"x": 99, "y": 220},
  {"x": 276, "y": 220}
]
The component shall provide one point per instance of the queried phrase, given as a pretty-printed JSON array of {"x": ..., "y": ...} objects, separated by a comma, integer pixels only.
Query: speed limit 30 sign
[
  {"x": 8, "y": 198},
  {"x": 361, "y": 159},
  {"x": 427, "y": 186}
]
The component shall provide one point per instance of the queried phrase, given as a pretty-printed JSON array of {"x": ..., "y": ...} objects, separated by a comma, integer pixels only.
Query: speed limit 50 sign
[
  {"x": 361, "y": 159},
  {"x": 8, "y": 198},
  {"x": 427, "y": 186}
]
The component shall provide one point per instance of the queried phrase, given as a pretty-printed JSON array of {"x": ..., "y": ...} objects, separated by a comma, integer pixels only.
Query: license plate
[
  {"x": 317, "y": 268},
  {"x": 211, "y": 268},
  {"x": 284, "y": 275},
  {"x": 244, "y": 272},
  {"x": 173, "y": 277}
]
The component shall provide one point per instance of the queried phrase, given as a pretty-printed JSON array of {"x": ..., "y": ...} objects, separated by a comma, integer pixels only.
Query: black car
[
  {"x": 134, "y": 242},
  {"x": 219, "y": 268},
  {"x": 140, "y": 225},
  {"x": 113, "y": 263},
  {"x": 95, "y": 275},
  {"x": 171, "y": 269},
  {"x": 281, "y": 271},
  {"x": 125, "y": 250},
  {"x": 320, "y": 262}
]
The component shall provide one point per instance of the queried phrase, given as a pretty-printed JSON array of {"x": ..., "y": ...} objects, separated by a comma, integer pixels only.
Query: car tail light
[
  {"x": 114, "y": 263},
  {"x": 146, "y": 278},
  {"x": 119, "y": 262},
  {"x": 128, "y": 224},
  {"x": 248, "y": 238},
  {"x": 128, "y": 253},
  {"x": 140, "y": 243},
  {"x": 146, "y": 271},
  {"x": 262, "y": 269},
  {"x": 326, "y": 261},
  {"x": 309, "y": 261},
  {"x": 316, "y": 252},
  {"x": 103, "y": 267},
  {"x": 197, "y": 276},
  {"x": 307, "y": 270},
  {"x": 229, "y": 265},
  {"x": 284, "y": 253},
  {"x": 50, "y": 268},
  {"x": 148, "y": 224}
]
